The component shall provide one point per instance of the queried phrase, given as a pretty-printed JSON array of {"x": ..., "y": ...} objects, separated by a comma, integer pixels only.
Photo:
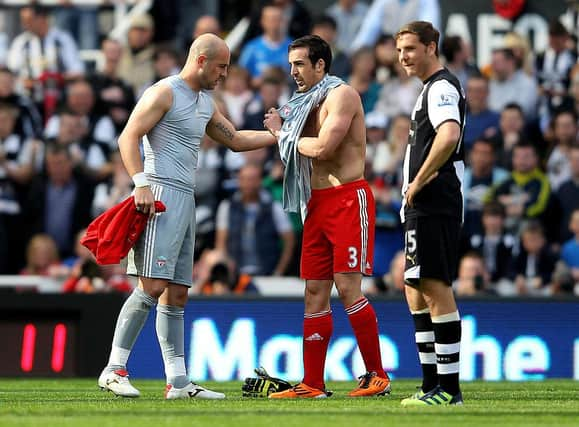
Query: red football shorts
[{"x": 338, "y": 234}]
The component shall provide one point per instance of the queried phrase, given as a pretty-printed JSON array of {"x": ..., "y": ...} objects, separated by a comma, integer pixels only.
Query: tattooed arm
[{"x": 222, "y": 130}]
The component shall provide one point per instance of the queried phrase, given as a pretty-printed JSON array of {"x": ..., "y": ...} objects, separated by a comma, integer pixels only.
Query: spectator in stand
[
  {"x": 80, "y": 100},
  {"x": 326, "y": 28},
  {"x": 165, "y": 64},
  {"x": 376, "y": 140},
  {"x": 17, "y": 157},
  {"x": 386, "y": 58},
  {"x": 473, "y": 278},
  {"x": 136, "y": 66},
  {"x": 206, "y": 24},
  {"x": 564, "y": 136},
  {"x": 254, "y": 230},
  {"x": 267, "y": 97},
  {"x": 42, "y": 258},
  {"x": 574, "y": 88},
  {"x": 43, "y": 57},
  {"x": 237, "y": 94},
  {"x": 86, "y": 276},
  {"x": 509, "y": 84},
  {"x": 91, "y": 156},
  {"x": 494, "y": 245},
  {"x": 570, "y": 256},
  {"x": 113, "y": 96},
  {"x": 535, "y": 263},
  {"x": 519, "y": 44},
  {"x": 113, "y": 191},
  {"x": 480, "y": 176},
  {"x": 385, "y": 150},
  {"x": 166, "y": 19},
  {"x": 297, "y": 19},
  {"x": 386, "y": 17},
  {"x": 29, "y": 123},
  {"x": 568, "y": 194},
  {"x": 481, "y": 122},
  {"x": 391, "y": 283},
  {"x": 362, "y": 77},
  {"x": 525, "y": 193},
  {"x": 398, "y": 94},
  {"x": 60, "y": 199},
  {"x": 458, "y": 56},
  {"x": 511, "y": 131},
  {"x": 553, "y": 70},
  {"x": 221, "y": 276},
  {"x": 389, "y": 157},
  {"x": 210, "y": 172},
  {"x": 269, "y": 49},
  {"x": 348, "y": 16},
  {"x": 80, "y": 21}
]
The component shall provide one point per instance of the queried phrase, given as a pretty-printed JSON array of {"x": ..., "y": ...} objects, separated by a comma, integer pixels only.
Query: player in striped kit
[{"x": 432, "y": 213}]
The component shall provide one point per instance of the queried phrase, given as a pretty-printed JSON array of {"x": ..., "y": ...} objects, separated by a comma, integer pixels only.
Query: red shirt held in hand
[{"x": 113, "y": 233}]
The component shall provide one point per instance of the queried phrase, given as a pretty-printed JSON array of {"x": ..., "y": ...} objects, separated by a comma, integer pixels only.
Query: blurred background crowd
[{"x": 61, "y": 112}]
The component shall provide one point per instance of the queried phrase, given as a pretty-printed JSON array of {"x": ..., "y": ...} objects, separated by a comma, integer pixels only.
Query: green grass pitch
[{"x": 79, "y": 403}]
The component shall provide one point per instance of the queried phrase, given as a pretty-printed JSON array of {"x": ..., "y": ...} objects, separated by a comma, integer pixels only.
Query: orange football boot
[
  {"x": 300, "y": 391},
  {"x": 371, "y": 385}
]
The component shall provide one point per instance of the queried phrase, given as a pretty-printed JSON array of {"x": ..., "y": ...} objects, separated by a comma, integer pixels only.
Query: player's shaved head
[{"x": 208, "y": 45}]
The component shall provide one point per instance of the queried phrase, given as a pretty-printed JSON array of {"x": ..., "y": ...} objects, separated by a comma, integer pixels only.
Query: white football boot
[
  {"x": 118, "y": 383},
  {"x": 191, "y": 391}
]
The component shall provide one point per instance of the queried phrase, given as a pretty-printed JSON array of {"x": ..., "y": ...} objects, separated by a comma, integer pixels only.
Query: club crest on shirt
[
  {"x": 161, "y": 262},
  {"x": 286, "y": 110}
]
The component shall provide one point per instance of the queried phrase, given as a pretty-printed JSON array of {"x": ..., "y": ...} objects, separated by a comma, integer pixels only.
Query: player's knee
[
  {"x": 153, "y": 287},
  {"x": 175, "y": 295}
]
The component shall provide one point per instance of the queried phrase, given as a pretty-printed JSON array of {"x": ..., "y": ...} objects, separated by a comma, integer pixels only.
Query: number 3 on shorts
[{"x": 353, "y": 257}]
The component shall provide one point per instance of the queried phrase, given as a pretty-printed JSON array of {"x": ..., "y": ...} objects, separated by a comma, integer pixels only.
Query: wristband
[{"x": 140, "y": 180}]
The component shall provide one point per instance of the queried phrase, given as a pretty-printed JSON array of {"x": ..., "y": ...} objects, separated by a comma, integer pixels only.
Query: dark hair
[
  {"x": 10, "y": 108},
  {"x": 494, "y": 209},
  {"x": 451, "y": 45},
  {"x": 514, "y": 106},
  {"x": 6, "y": 70},
  {"x": 486, "y": 141},
  {"x": 532, "y": 226},
  {"x": 562, "y": 112},
  {"x": 317, "y": 49},
  {"x": 325, "y": 21},
  {"x": 166, "y": 51},
  {"x": 54, "y": 148},
  {"x": 39, "y": 9},
  {"x": 526, "y": 144},
  {"x": 557, "y": 29},
  {"x": 424, "y": 30}
]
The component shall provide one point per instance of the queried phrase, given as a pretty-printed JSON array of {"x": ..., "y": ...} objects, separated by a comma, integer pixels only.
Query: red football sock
[
  {"x": 363, "y": 320},
  {"x": 317, "y": 332}
]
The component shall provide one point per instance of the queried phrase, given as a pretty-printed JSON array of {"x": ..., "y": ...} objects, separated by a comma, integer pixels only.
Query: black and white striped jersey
[{"x": 442, "y": 99}]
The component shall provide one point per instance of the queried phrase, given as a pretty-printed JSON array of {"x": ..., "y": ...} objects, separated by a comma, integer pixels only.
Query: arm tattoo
[{"x": 224, "y": 130}]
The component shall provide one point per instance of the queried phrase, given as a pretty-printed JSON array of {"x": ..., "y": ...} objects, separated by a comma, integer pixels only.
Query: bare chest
[{"x": 315, "y": 120}]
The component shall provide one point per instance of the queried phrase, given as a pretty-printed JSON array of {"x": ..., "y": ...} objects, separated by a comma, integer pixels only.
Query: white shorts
[{"x": 165, "y": 249}]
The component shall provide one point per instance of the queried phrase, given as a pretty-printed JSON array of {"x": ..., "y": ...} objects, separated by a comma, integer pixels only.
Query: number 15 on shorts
[{"x": 410, "y": 243}]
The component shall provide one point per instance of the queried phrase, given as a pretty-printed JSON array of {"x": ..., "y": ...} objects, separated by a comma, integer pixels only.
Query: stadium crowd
[{"x": 59, "y": 164}]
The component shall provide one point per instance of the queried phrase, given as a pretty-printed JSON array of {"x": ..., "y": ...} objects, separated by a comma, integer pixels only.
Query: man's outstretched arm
[{"x": 222, "y": 130}]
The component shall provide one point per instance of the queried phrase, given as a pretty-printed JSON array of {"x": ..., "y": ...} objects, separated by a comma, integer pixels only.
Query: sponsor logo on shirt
[{"x": 444, "y": 100}]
